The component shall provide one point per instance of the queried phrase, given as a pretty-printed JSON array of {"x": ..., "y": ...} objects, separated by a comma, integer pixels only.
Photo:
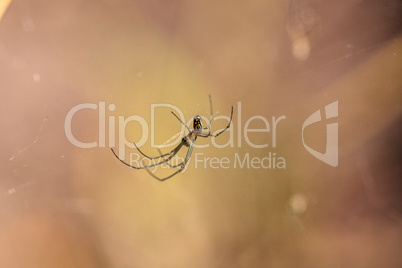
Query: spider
[{"x": 188, "y": 141}]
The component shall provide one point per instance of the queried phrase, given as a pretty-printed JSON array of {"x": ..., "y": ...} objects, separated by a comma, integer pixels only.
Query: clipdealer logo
[
  {"x": 109, "y": 124},
  {"x": 330, "y": 156}
]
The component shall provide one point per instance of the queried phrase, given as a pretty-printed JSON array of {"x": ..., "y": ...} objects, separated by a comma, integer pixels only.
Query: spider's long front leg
[
  {"x": 212, "y": 113},
  {"x": 223, "y": 130},
  {"x": 181, "y": 121},
  {"x": 182, "y": 164},
  {"x": 216, "y": 135}
]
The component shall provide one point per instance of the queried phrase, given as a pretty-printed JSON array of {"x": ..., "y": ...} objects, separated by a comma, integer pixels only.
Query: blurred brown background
[{"x": 62, "y": 206}]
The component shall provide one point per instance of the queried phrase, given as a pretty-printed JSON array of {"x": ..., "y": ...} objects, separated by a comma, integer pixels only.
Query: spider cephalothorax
[{"x": 197, "y": 122}]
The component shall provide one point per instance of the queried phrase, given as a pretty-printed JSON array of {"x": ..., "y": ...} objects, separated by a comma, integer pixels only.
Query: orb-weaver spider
[{"x": 188, "y": 141}]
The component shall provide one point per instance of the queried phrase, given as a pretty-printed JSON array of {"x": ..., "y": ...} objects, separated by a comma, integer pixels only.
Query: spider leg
[
  {"x": 171, "y": 166},
  {"x": 185, "y": 159},
  {"x": 162, "y": 179},
  {"x": 210, "y": 119},
  {"x": 206, "y": 128},
  {"x": 204, "y": 135},
  {"x": 181, "y": 121},
  {"x": 125, "y": 163},
  {"x": 212, "y": 114},
  {"x": 223, "y": 130},
  {"x": 165, "y": 160},
  {"x": 155, "y": 157},
  {"x": 171, "y": 155},
  {"x": 160, "y": 152},
  {"x": 182, "y": 165}
]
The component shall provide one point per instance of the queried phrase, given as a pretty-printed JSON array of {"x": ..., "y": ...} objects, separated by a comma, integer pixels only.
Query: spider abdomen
[{"x": 187, "y": 140}]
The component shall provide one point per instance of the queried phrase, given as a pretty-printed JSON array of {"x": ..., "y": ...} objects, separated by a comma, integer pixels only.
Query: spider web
[
  {"x": 35, "y": 140},
  {"x": 13, "y": 190}
]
